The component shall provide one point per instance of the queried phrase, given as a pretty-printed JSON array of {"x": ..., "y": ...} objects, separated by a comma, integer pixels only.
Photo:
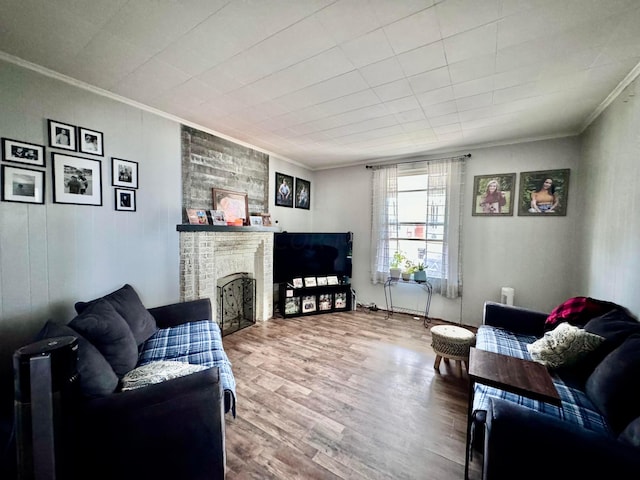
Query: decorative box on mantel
[{"x": 210, "y": 252}]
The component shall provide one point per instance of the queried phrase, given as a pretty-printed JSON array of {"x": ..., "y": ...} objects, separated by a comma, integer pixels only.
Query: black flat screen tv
[{"x": 297, "y": 255}]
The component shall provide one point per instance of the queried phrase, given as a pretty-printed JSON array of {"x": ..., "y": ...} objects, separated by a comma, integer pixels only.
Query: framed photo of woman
[
  {"x": 544, "y": 193},
  {"x": 493, "y": 194}
]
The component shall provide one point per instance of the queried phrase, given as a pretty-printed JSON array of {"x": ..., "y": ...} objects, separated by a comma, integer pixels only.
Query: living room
[{"x": 53, "y": 255}]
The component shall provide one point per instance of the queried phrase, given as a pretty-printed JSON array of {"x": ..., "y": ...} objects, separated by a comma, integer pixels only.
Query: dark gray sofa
[
  {"x": 595, "y": 433},
  {"x": 171, "y": 428}
]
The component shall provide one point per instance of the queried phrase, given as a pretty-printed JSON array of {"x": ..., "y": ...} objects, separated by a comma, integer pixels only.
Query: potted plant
[
  {"x": 409, "y": 268},
  {"x": 397, "y": 260},
  {"x": 420, "y": 275}
]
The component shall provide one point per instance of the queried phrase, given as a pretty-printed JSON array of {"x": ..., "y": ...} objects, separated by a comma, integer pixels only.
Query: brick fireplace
[{"x": 209, "y": 253}]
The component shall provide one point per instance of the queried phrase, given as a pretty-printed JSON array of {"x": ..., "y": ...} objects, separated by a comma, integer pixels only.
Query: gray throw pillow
[
  {"x": 109, "y": 333},
  {"x": 95, "y": 375},
  {"x": 127, "y": 303}
]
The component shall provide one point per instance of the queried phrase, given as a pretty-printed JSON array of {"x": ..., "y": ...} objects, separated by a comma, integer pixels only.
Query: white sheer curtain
[
  {"x": 384, "y": 219},
  {"x": 449, "y": 284},
  {"x": 384, "y": 222}
]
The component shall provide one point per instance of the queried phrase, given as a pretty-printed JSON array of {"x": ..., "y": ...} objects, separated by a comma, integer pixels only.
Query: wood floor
[{"x": 349, "y": 395}]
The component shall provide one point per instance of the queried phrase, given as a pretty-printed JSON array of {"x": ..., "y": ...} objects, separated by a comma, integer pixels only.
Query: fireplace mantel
[{"x": 209, "y": 252}]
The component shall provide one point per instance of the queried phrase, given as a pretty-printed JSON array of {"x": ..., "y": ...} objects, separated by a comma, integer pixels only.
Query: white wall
[
  {"x": 609, "y": 265},
  {"x": 53, "y": 255},
  {"x": 535, "y": 255}
]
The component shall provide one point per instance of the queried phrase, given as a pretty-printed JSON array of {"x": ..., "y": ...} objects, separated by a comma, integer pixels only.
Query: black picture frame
[
  {"x": 303, "y": 194},
  {"x": 22, "y": 185},
  {"x": 125, "y": 200},
  {"x": 23, "y": 152},
  {"x": 90, "y": 141},
  {"x": 532, "y": 183},
  {"x": 493, "y": 195},
  {"x": 124, "y": 173},
  {"x": 76, "y": 191},
  {"x": 61, "y": 135},
  {"x": 284, "y": 190}
]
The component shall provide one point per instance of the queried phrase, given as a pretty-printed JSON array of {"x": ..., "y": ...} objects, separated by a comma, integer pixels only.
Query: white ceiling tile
[
  {"x": 419, "y": 29},
  {"x": 423, "y": 59},
  {"x": 477, "y": 42},
  {"x": 440, "y": 109},
  {"x": 435, "y": 96},
  {"x": 444, "y": 129},
  {"x": 385, "y": 71},
  {"x": 335, "y": 87},
  {"x": 389, "y": 12},
  {"x": 456, "y": 16},
  {"x": 516, "y": 92},
  {"x": 444, "y": 120},
  {"x": 475, "y": 101},
  {"x": 393, "y": 90},
  {"x": 410, "y": 115},
  {"x": 475, "y": 114},
  {"x": 347, "y": 103},
  {"x": 151, "y": 79},
  {"x": 369, "y": 48},
  {"x": 472, "y": 68},
  {"x": 402, "y": 104},
  {"x": 432, "y": 80},
  {"x": 473, "y": 87},
  {"x": 338, "y": 19}
]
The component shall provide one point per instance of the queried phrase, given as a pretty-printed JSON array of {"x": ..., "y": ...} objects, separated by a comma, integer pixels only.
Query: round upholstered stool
[{"x": 452, "y": 343}]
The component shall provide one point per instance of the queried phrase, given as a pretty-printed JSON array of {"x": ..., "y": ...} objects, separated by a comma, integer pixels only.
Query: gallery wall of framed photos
[{"x": 75, "y": 178}]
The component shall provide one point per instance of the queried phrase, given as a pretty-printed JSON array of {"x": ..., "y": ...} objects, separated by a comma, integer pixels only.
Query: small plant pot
[
  {"x": 406, "y": 276},
  {"x": 420, "y": 276},
  {"x": 395, "y": 272}
]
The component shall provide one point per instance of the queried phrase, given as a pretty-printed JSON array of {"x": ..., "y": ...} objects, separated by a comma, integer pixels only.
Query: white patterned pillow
[
  {"x": 156, "y": 372},
  {"x": 563, "y": 346}
]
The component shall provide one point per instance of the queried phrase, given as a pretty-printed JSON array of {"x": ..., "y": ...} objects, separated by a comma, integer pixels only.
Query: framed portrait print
[
  {"x": 22, "y": 185},
  {"x": 544, "y": 193},
  {"x": 197, "y": 217},
  {"x": 255, "y": 220},
  {"x": 284, "y": 190},
  {"x": 125, "y": 200},
  {"x": 234, "y": 205},
  {"x": 76, "y": 180},
  {"x": 493, "y": 194},
  {"x": 23, "y": 152},
  {"x": 124, "y": 173},
  {"x": 90, "y": 141},
  {"x": 303, "y": 193},
  {"x": 62, "y": 135},
  {"x": 308, "y": 303}
]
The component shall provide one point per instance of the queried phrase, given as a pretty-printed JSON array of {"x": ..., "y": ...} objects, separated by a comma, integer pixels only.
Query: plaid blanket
[
  {"x": 575, "y": 408},
  {"x": 197, "y": 343}
]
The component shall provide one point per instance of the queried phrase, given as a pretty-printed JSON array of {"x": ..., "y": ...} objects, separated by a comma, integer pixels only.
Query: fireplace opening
[{"x": 236, "y": 302}]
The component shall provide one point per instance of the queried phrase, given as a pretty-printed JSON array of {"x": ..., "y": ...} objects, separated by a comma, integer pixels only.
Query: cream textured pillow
[
  {"x": 563, "y": 346},
  {"x": 156, "y": 372}
]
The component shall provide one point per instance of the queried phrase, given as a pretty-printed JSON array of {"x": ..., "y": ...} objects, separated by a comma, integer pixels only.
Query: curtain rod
[{"x": 466, "y": 155}]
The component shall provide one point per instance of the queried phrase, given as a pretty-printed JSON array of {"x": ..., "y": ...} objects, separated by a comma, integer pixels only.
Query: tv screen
[{"x": 298, "y": 255}]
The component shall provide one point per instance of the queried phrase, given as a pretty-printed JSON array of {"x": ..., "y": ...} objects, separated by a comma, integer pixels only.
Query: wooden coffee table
[{"x": 522, "y": 377}]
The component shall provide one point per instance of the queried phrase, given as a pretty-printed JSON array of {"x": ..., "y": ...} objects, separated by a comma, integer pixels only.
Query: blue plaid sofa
[
  {"x": 596, "y": 430},
  {"x": 171, "y": 428}
]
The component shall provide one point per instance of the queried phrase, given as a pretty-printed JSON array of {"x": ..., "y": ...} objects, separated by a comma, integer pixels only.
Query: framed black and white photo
[
  {"x": 76, "y": 180},
  {"x": 22, "y": 185},
  {"x": 124, "y": 173},
  {"x": 284, "y": 190},
  {"x": 303, "y": 193},
  {"x": 62, "y": 135},
  {"x": 125, "y": 200},
  {"x": 297, "y": 283},
  {"x": 90, "y": 141},
  {"x": 310, "y": 281},
  {"x": 22, "y": 152}
]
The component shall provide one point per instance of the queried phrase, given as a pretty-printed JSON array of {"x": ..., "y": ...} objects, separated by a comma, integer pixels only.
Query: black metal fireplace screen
[{"x": 236, "y": 302}]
